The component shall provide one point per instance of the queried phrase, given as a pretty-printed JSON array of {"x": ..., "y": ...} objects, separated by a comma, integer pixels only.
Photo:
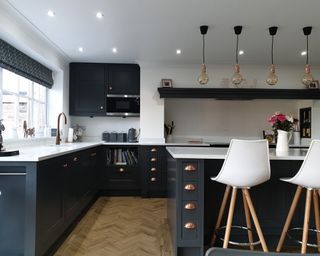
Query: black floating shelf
[{"x": 239, "y": 93}]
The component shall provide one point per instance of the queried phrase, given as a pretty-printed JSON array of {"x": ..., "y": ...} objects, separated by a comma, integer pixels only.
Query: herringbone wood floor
[{"x": 121, "y": 226}]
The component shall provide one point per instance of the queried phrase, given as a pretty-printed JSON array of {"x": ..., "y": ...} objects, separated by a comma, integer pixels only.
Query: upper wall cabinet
[
  {"x": 91, "y": 82},
  {"x": 87, "y": 89},
  {"x": 123, "y": 79}
]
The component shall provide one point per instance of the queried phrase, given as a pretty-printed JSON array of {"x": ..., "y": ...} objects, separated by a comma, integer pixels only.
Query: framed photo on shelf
[{"x": 166, "y": 82}]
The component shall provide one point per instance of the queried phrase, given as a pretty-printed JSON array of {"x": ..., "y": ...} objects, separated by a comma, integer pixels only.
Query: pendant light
[
  {"x": 272, "y": 79},
  {"x": 307, "y": 78},
  {"x": 237, "y": 77},
  {"x": 203, "y": 78}
]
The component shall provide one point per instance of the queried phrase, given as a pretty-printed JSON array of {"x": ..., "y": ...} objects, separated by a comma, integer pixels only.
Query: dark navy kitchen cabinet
[
  {"x": 123, "y": 79},
  {"x": 153, "y": 170},
  {"x": 87, "y": 91},
  {"x": 91, "y": 82}
]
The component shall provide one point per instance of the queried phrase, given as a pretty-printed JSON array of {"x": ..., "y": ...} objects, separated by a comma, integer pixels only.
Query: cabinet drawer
[
  {"x": 121, "y": 172},
  {"x": 190, "y": 170},
  {"x": 190, "y": 190}
]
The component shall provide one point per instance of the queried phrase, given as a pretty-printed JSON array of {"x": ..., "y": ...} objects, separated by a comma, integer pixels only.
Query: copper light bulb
[
  {"x": 272, "y": 79},
  {"x": 203, "y": 78},
  {"x": 307, "y": 78},
  {"x": 237, "y": 77}
]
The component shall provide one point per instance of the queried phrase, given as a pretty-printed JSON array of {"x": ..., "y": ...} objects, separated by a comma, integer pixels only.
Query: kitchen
[{"x": 55, "y": 42}]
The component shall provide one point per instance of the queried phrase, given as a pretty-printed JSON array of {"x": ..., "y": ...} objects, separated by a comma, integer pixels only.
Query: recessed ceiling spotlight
[
  {"x": 51, "y": 13},
  {"x": 303, "y": 53},
  {"x": 114, "y": 50},
  {"x": 241, "y": 52},
  {"x": 178, "y": 51},
  {"x": 80, "y": 49},
  {"x": 99, "y": 15}
]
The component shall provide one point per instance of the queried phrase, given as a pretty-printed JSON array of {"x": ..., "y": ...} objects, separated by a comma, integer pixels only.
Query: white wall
[
  {"x": 209, "y": 118},
  {"x": 17, "y": 30}
]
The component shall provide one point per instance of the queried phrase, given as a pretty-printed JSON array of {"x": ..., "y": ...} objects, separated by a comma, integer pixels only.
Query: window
[{"x": 22, "y": 100}]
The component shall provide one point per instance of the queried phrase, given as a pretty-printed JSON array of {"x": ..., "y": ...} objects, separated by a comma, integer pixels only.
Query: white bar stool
[
  {"x": 308, "y": 177},
  {"x": 246, "y": 165}
]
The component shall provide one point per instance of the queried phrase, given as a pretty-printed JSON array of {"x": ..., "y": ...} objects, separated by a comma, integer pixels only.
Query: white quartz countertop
[
  {"x": 220, "y": 153},
  {"x": 43, "y": 152}
]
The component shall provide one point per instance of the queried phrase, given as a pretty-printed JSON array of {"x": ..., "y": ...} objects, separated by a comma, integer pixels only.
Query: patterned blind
[{"x": 21, "y": 64}]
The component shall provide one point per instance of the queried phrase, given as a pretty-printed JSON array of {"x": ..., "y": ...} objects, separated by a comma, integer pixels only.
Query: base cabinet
[
  {"x": 153, "y": 171},
  {"x": 12, "y": 210}
]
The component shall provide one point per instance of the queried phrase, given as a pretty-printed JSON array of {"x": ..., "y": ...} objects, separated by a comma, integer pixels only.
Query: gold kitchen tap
[{"x": 58, "y": 139}]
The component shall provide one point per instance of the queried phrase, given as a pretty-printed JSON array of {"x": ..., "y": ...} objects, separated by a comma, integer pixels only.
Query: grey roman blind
[{"x": 21, "y": 64}]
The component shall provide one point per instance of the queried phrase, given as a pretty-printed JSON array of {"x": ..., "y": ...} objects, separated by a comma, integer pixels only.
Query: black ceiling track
[{"x": 239, "y": 93}]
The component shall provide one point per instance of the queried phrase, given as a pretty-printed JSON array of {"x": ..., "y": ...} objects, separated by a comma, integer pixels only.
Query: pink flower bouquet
[{"x": 283, "y": 122}]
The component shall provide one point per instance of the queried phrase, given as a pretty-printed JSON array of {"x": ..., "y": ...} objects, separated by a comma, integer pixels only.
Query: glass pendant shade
[
  {"x": 307, "y": 78},
  {"x": 237, "y": 77},
  {"x": 272, "y": 78},
  {"x": 203, "y": 78}
]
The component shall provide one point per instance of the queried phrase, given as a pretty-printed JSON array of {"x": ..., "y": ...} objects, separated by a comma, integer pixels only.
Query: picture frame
[
  {"x": 314, "y": 85},
  {"x": 166, "y": 82}
]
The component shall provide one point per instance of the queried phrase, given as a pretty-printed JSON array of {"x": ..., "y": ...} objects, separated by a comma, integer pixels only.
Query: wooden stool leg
[
  {"x": 306, "y": 222},
  {"x": 289, "y": 217},
  {"x": 316, "y": 216},
  {"x": 230, "y": 217},
  {"x": 221, "y": 211},
  {"x": 248, "y": 221},
  {"x": 255, "y": 219}
]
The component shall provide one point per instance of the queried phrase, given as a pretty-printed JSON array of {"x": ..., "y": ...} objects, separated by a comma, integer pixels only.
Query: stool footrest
[
  {"x": 237, "y": 243},
  {"x": 290, "y": 236}
]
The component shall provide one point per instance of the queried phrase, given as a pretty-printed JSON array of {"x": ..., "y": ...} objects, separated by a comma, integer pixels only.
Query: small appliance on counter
[
  {"x": 114, "y": 136},
  {"x": 133, "y": 135}
]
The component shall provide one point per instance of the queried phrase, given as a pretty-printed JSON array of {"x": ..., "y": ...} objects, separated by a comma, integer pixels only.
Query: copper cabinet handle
[
  {"x": 190, "y": 206},
  {"x": 190, "y": 168},
  {"x": 153, "y": 179},
  {"x": 110, "y": 87},
  {"x": 93, "y": 154},
  {"x": 75, "y": 159},
  {"x": 153, "y": 169},
  {"x": 121, "y": 169},
  {"x": 101, "y": 107},
  {"x": 190, "y": 187},
  {"x": 189, "y": 225},
  {"x": 153, "y": 150},
  {"x": 65, "y": 165},
  {"x": 153, "y": 159}
]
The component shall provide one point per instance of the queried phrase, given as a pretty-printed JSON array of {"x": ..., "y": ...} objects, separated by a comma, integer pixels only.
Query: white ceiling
[{"x": 151, "y": 31}]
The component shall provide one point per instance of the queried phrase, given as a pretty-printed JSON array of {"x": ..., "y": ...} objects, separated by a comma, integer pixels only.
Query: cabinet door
[
  {"x": 87, "y": 89},
  {"x": 12, "y": 213},
  {"x": 49, "y": 201},
  {"x": 123, "y": 79}
]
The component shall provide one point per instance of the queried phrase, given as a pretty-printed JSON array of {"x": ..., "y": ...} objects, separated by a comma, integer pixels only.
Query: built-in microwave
[{"x": 123, "y": 105}]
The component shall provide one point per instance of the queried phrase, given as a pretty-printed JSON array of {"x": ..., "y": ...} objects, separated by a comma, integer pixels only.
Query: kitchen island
[{"x": 194, "y": 200}]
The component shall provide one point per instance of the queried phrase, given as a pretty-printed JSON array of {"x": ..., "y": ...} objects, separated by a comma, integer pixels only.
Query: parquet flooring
[{"x": 121, "y": 226}]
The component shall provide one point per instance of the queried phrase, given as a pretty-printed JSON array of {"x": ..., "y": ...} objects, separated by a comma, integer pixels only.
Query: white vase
[{"x": 283, "y": 141}]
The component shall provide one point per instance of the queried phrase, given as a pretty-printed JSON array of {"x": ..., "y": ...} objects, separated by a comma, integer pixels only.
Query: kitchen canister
[{"x": 296, "y": 138}]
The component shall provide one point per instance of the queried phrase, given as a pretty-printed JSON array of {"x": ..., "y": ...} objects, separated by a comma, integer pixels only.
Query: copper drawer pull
[
  {"x": 93, "y": 154},
  {"x": 153, "y": 159},
  {"x": 121, "y": 169},
  {"x": 75, "y": 159},
  {"x": 190, "y": 206},
  {"x": 190, "y": 168},
  {"x": 153, "y": 179},
  {"x": 153, "y": 169},
  {"x": 190, "y": 187},
  {"x": 153, "y": 150},
  {"x": 190, "y": 225},
  {"x": 65, "y": 165}
]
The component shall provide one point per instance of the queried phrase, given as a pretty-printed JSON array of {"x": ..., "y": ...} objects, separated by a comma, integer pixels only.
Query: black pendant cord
[
  {"x": 307, "y": 59},
  {"x": 237, "y": 50},
  {"x": 272, "y": 50},
  {"x": 203, "y": 47}
]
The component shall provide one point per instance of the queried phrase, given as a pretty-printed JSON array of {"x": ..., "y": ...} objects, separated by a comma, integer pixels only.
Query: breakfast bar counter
[{"x": 194, "y": 200}]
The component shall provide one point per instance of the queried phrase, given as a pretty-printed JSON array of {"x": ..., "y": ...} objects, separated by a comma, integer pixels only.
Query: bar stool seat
[
  {"x": 308, "y": 177},
  {"x": 246, "y": 165}
]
